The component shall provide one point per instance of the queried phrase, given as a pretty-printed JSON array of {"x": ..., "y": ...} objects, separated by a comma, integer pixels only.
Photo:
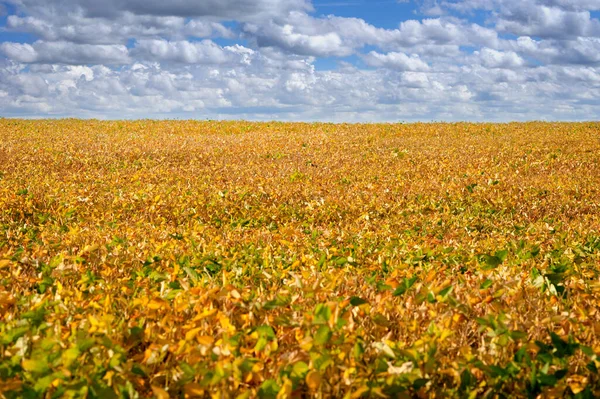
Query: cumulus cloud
[
  {"x": 65, "y": 53},
  {"x": 585, "y": 51},
  {"x": 78, "y": 29},
  {"x": 337, "y": 36},
  {"x": 547, "y": 22},
  {"x": 497, "y": 59},
  {"x": 297, "y": 40},
  {"x": 397, "y": 61},
  {"x": 204, "y": 52},
  {"x": 240, "y": 10},
  {"x": 278, "y": 59}
]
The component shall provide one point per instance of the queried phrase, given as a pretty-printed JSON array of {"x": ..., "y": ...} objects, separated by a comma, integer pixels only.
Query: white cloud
[
  {"x": 260, "y": 91},
  {"x": 79, "y": 29},
  {"x": 65, "y": 53},
  {"x": 303, "y": 34},
  {"x": 585, "y": 51},
  {"x": 291, "y": 39},
  {"x": 241, "y": 10},
  {"x": 204, "y": 52},
  {"x": 497, "y": 59},
  {"x": 529, "y": 59},
  {"x": 397, "y": 61},
  {"x": 547, "y": 22}
]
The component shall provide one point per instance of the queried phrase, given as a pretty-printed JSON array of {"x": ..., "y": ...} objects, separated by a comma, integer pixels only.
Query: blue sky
[
  {"x": 355, "y": 60},
  {"x": 385, "y": 14}
]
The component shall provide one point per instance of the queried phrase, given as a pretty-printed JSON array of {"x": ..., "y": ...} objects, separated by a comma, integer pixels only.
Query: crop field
[{"x": 288, "y": 260}]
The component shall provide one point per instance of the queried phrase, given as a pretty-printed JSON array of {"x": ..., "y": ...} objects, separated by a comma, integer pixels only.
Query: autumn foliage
[{"x": 236, "y": 259}]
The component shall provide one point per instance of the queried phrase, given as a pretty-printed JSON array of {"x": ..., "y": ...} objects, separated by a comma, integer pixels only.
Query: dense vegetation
[{"x": 190, "y": 259}]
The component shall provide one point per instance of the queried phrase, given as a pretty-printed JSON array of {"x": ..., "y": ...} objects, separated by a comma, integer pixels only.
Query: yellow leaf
[
  {"x": 205, "y": 340},
  {"x": 193, "y": 390},
  {"x": 90, "y": 248},
  {"x": 6, "y": 299},
  {"x": 160, "y": 393},
  {"x": 577, "y": 383},
  {"x": 157, "y": 303},
  {"x": 140, "y": 301},
  {"x": 430, "y": 276},
  {"x": 226, "y": 324},
  {"x": 192, "y": 333},
  {"x": 286, "y": 389},
  {"x": 360, "y": 392},
  {"x": 378, "y": 392},
  {"x": 206, "y": 313},
  {"x": 445, "y": 334},
  {"x": 4, "y": 263},
  {"x": 313, "y": 380}
]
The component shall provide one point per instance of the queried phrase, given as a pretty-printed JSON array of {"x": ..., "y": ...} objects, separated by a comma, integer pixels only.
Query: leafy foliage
[{"x": 274, "y": 260}]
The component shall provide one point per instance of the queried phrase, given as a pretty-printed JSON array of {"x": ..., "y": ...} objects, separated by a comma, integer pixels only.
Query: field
[{"x": 199, "y": 259}]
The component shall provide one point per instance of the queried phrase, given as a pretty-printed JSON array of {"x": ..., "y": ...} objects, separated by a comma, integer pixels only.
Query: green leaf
[
  {"x": 563, "y": 348},
  {"x": 466, "y": 379},
  {"x": 35, "y": 366},
  {"x": 261, "y": 344},
  {"x": 172, "y": 294},
  {"x": 420, "y": 383},
  {"x": 299, "y": 371},
  {"x": 560, "y": 374},
  {"x": 10, "y": 336},
  {"x": 266, "y": 332},
  {"x": 431, "y": 297},
  {"x": 322, "y": 314},
  {"x": 493, "y": 261},
  {"x": 356, "y": 301},
  {"x": 358, "y": 350},
  {"x": 85, "y": 344},
  {"x": 340, "y": 261},
  {"x": 69, "y": 356},
  {"x": 587, "y": 350},
  {"x": 322, "y": 336},
  {"x": 547, "y": 380},
  {"x": 522, "y": 356},
  {"x": 42, "y": 384},
  {"x": 268, "y": 389},
  {"x": 498, "y": 371},
  {"x": 138, "y": 369},
  {"x": 501, "y": 254},
  {"x": 400, "y": 290},
  {"x": 445, "y": 291},
  {"x": 486, "y": 284},
  {"x": 405, "y": 286},
  {"x": 381, "y": 320},
  {"x": 515, "y": 335},
  {"x": 36, "y": 316}
]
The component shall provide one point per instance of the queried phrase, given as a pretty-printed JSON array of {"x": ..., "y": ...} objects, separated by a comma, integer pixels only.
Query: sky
[{"x": 301, "y": 60}]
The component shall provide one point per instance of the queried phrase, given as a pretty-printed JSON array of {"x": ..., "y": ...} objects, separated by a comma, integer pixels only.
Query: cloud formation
[{"x": 282, "y": 59}]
